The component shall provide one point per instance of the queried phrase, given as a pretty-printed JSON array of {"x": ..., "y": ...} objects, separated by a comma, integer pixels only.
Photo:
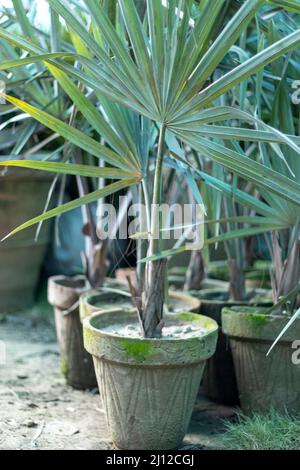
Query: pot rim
[
  {"x": 252, "y": 323},
  {"x": 220, "y": 290},
  {"x": 57, "y": 281},
  {"x": 196, "y": 318},
  {"x": 194, "y": 302},
  {"x": 148, "y": 352}
]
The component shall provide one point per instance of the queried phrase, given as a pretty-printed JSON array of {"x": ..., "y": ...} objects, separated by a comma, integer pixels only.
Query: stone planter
[
  {"x": 264, "y": 382},
  {"x": 219, "y": 381},
  {"x": 110, "y": 299},
  {"x": 148, "y": 386},
  {"x": 22, "y": 196},
  {"x": 76, "y": 363}
]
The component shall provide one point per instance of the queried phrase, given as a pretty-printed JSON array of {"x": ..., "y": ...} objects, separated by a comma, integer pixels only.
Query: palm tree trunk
[{"x": 153, "y": 295}]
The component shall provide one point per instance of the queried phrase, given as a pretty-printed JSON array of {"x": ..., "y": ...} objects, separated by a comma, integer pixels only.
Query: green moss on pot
[
  {"x": 189, "y": 317},
  {"x": 138, "y": 349},
  {"x": 64, "y": 368},
  {"x": 258, "y": 320}
]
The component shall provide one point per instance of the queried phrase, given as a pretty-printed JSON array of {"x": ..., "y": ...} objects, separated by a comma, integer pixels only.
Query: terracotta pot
[
  {"x": 264, "y": 382},
  {"x": 219, "y": 381},
  {"x": 22, "y": 196},
  {"x": 103, "y": 300},
  {"x": 148, "y": 386},
  {"x": 76, "y": 364}
]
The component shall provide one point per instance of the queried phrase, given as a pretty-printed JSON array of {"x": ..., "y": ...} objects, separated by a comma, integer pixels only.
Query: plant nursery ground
[{"x": 37, "y": 409}]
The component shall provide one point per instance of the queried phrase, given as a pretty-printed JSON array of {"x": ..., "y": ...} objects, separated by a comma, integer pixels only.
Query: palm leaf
[
  {"x": 73, "y": 135},
  {"x": 88, "y": 199}
]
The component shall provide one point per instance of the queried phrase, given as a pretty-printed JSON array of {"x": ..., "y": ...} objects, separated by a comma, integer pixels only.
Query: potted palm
[{"x": 156, "y": 68}]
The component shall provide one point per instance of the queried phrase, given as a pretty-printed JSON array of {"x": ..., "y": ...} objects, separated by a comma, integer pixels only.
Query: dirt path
[{"x": 37, "y": 409}]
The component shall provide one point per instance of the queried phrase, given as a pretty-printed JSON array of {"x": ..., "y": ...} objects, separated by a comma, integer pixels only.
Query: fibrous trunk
[
  {"x": 153, "y": 300},
  {"x": 153, "y": 295}
]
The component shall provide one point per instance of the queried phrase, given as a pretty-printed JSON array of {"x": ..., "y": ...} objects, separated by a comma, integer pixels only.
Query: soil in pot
[
  {"x": 148, "y": 386},
  {"x": 264, "y": 382},
  {"x": 112, "y": 298},
  {"x": 23, "y": 195},
  {"x": 76, "y": 364},
  {"x": 219, "y": 381}
]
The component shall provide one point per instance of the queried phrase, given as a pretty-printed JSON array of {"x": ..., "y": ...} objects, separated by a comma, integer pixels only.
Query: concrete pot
[
  {"x": 104, "y": 300},
  {"x": 219, "y": 380},
  {"x": 148, "y": 386},
  {"x": 264, "y": 382},
  {"x": 22, "y": 196},
  {"x": 76, "y": 364}
]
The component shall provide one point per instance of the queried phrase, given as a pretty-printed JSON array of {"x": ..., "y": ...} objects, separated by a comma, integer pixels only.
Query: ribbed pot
[
  {"x": 103, "y": 300},
  {"x": 264, "y": 382},
  {"x": 148, "y": 386},
  {"x": 76, "y": 364},
  {"x": 219, "y": 380},
  {"x": 22, "y": 196}
]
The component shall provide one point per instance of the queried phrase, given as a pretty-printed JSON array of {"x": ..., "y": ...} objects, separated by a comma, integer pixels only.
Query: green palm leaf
[
  {"x": 73, "y": 135},
  {"x": 88, "y": 199}
]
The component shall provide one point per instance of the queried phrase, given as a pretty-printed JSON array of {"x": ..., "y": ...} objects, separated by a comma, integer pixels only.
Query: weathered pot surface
[
  {"x": 219, "y": 380},
  {"x": 76, "y": 364},
  {"x": 264, "y": 382},
  {"x": 148, "y": 386},
  {"x": 22, "y": 195}
]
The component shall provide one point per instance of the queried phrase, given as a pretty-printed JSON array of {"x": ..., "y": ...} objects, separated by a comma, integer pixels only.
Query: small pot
[
  {"x": 264, "y": 382},
  {"x": 22, "y": 195},
  {"x": 104, "y": 300},
  {"x": 219, "y": 381},
  {"x": 76, "y": 363},
  {"x": 148, "y": 386}
]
